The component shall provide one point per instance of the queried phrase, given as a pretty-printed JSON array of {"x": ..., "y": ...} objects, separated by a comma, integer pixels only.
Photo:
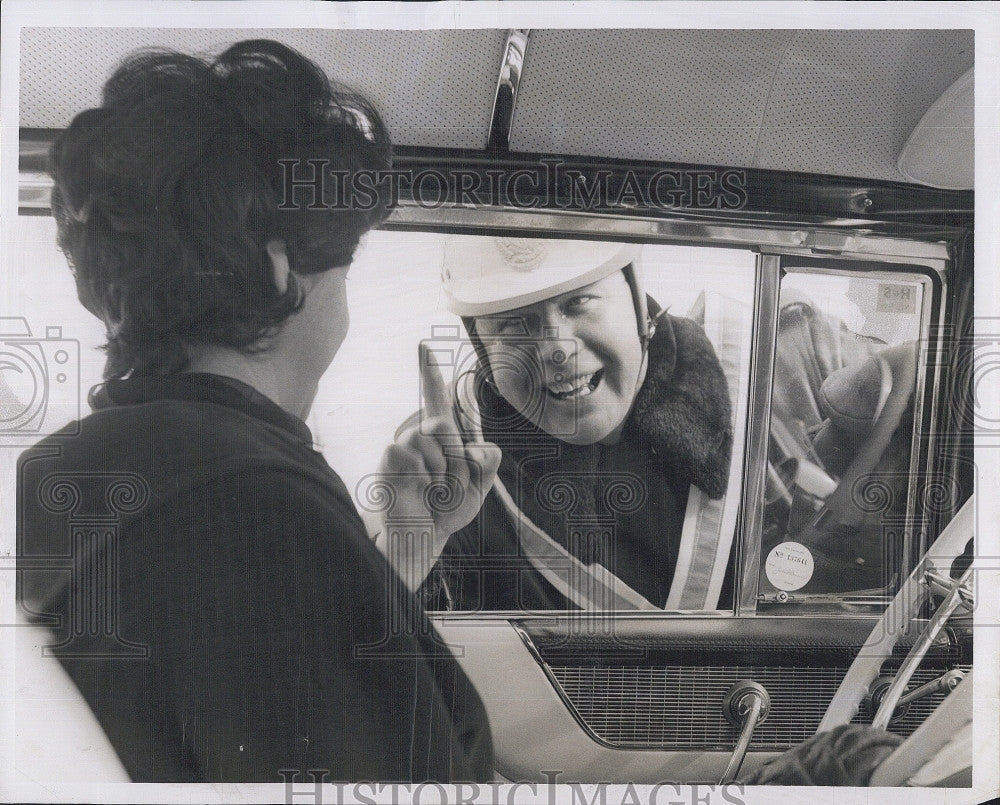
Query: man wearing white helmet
[{"x": 605, "y": 409}]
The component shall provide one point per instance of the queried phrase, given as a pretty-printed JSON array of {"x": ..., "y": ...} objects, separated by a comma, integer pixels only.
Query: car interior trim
[
  {"x": 508, "y": 81},
  {"x": 643, "y": 228}
]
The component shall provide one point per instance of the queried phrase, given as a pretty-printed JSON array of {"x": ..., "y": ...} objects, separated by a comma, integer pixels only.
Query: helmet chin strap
[
  {"x": 646, "y": 326},
  {"x": 644, "y": 339}
]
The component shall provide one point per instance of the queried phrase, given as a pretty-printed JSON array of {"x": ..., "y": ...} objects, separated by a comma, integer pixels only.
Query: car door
[{"x": 591, "y": 695}]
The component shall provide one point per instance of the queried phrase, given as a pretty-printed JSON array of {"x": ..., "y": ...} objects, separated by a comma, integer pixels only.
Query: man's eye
[
  {"x": 579, "y": 302},
  {"x": 510, "y": 327}
]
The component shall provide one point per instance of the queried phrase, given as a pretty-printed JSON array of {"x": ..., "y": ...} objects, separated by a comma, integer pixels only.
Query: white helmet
[{"x": 485, "y": 275}]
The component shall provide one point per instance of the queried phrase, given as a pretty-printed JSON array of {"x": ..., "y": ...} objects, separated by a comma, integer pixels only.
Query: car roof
[{"x": 834, "y": 102}]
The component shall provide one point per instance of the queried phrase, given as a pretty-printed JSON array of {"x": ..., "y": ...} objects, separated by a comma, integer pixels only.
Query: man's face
[{"x": 570, "y": 364}]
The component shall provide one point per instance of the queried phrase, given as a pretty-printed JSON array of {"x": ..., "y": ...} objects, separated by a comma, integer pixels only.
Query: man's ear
[{"x": 279, "y": 264}]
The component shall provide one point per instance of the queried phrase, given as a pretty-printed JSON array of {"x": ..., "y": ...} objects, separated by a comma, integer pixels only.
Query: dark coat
[
  {"x": 243, "y": 592},
  {"x": 622, "y": 506}
]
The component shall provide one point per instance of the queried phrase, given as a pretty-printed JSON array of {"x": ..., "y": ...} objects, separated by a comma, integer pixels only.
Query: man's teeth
[{"x": 578, "y": 386}]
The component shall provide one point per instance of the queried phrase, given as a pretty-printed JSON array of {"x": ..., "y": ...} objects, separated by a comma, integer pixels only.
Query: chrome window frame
[
  {"x": 762, "y": 352},
  {"x": 773, "y": 244},
  {"x": 829, "y": 239},
  {"x": 933, "y": 297}
]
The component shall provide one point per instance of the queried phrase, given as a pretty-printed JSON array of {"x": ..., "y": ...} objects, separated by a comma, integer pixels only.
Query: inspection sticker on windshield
[
  {"x": 894, "y": 297},
  {"x": 789, "y": 566}
]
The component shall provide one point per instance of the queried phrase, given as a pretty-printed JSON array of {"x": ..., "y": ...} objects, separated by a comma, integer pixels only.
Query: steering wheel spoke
[
  {"x": 942, "y": 586},
  {"x": 899, "y": 616},
  {"x": 952, "y": 601}
]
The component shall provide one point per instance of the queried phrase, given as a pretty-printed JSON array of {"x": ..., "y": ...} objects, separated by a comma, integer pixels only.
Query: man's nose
[
  {"x": 557, "y": 344},
  {"x": 552, "y": 322}
]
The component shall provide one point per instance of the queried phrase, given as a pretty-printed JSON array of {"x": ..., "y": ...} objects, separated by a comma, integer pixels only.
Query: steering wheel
[
  {"x": 844, "y": 503},
  {"x": 898, "y": 367},
  {"x": 927, "y": 578}
]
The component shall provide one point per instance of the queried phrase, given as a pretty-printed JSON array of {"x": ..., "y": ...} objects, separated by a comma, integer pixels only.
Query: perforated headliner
[
  {"x": 432, "y": 87},
  {"x": 828, "y": 102},
  {"x": 835, "y": 102}
]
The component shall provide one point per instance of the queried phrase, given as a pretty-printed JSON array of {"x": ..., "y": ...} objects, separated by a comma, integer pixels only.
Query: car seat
[{"x": 57, "y": 738}]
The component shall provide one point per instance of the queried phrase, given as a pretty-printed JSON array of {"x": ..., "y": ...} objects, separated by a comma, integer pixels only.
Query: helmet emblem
[{"x": 522, "y": 254}]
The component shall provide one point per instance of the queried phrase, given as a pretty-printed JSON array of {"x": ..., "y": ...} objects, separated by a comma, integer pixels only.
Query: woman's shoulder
[{"x": 162, "y": 451}]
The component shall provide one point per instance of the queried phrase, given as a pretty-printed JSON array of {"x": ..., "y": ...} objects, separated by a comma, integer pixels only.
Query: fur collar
[
  {"x": 682, "y": 410},
  {"x": 681, "y": 414}
]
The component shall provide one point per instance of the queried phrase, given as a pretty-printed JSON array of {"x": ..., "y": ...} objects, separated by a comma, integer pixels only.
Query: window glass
[
  {"x": 621, "y": 527},
  {"x": 50, "y": 354},
  {"x": 591, "y": 525},
  {"x": 840, "y": 434}
]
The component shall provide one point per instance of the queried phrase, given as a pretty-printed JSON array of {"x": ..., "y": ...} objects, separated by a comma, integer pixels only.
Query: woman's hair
[{"x": 166, "y": 195}]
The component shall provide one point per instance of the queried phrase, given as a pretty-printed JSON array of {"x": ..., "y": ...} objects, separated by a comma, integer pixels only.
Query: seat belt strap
[
  {"x": 710, "y": 525},
  {"x": 590, "y": 587}
]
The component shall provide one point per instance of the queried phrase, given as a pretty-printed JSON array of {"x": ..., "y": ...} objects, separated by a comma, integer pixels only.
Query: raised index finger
[{"x": 435, "y": 394}]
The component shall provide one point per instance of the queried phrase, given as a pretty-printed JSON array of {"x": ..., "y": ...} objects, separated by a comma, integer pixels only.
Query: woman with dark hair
[{"x": 233, "y": 622}]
